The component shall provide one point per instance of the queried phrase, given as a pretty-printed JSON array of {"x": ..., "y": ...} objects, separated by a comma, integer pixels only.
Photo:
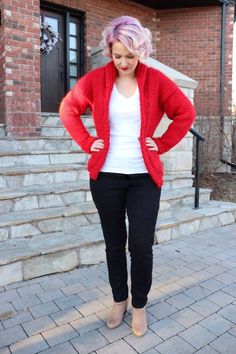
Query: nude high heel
[
  {"x": 116, "y": 315},
  {"x": 139, "y": 321}
]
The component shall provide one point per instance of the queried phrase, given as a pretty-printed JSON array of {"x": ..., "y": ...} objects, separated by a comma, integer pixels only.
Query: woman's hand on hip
[
  {"x": 150, "y": 143},
  {"x": 97, "y": 145}
]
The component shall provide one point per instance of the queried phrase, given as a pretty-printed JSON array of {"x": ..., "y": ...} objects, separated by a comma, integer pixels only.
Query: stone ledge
[
  {"x": 28, "y": 216},
  {"x": 20, "y": 249},
  {"x": 12, "y": 152},
  {"x": 21, "y": 170}
]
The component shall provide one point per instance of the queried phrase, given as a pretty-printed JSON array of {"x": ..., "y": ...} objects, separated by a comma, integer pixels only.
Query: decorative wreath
[{"x": 48, "y": 38}]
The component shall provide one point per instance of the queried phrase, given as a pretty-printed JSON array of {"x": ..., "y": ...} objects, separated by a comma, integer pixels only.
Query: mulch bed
[{"x": 223, "y": 186}]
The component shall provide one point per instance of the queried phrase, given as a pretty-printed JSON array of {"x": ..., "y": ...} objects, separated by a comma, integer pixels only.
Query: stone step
[
  {"x": 52, "y": 125},
  {"x": 23, "y": 176},
  {"x": 68, "y": 193},
  {"x": 28, "y": 223},
  {"x": 38, "y": 143},
  {"x": 40, "y": 157},
  {"x": 22, "y": 259}
]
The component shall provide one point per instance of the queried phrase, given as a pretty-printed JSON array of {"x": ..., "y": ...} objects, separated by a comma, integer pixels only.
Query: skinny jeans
[{"x": 137, "y": 197}]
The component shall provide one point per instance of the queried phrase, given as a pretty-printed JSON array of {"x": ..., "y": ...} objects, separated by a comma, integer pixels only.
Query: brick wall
[
  {"x": 185, "y": 39},
  {"x": 21, "y": 60},
  {"x": 2, "y": 65},
  {"x": 190, "y": 43}
]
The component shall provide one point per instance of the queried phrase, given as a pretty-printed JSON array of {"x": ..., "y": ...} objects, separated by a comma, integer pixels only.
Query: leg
[
  {"x": 109, "y": 196},
  {"x": 142, "y": 208}
]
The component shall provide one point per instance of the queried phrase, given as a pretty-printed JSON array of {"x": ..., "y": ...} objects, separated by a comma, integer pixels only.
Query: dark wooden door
[{"x": 53, "y": 65}]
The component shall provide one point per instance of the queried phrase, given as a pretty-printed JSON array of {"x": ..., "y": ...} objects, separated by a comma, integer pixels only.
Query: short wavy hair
[{"x": 129, "y": 31}]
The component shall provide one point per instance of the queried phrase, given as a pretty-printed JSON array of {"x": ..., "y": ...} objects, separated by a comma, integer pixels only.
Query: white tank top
[{"x": 124, "y": 155}]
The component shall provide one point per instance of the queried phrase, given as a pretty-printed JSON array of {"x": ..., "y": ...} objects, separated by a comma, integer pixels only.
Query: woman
[{"x": 128, "y": 100}]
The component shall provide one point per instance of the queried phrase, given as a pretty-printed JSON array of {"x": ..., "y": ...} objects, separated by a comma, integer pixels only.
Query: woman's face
[{"x": 124, "y": 61}]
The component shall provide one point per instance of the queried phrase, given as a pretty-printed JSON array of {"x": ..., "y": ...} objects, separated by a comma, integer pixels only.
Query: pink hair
[{"x": 129, "y": 31}]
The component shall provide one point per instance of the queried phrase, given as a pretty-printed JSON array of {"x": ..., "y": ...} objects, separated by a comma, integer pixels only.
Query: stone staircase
[{"x": 48, "y": 222}]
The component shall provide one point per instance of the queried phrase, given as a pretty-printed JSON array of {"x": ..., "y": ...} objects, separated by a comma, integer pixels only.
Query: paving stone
[
  {"x": 161, "y": 310},
  {"x": 116, "y": 348},
  {"x": 215, "y": 269},
  {"x": 20, "y": 317},
  {"x": 187, "y": 317},
  {"x": 32, "y": 345},
  {"x": 166, "y": 328},
  {"x": 225, "y": 344},
  {"x": 60, "y": 349},
  {"x": 151, "y": 351},
  {"x": 204, "y": 307},
  {"x": 180, "y": 301},
  {"x": 225, "y": 278},
  {"x": 90, "y": 308},
  {"x": 220, "y": 298},
  {"x": 91, "y": 295},
  {"x": 229, "y": 312},
  {"x": 115, "y": 334},
  {"x": 26, "y": 302},
  {"x": 51, "y": 295},
  {"x": 68, "y": 302},
  {"x": 11, "y": 335},
  {"x": 197, "y": 292},
  {"x": 207, "y": 349},
  {"x": 9, "y": 296},
  {"x": 197, "y": 336},
  {"x": 179, "y": 345},
  {"x": 38, "y": 326},
  {"x": 230, "y": 289},
  {"x": 29, "y": 290},
  {"x": 202, "y": 275},
  {"x": 232, "y": 331},
  {"x": 6, "y": 311},
  {"x": 73, "y": 289},
  {"x": 59, "y": 334},
  {"x": 43, "y": 309},
  {"x": 171, "y": 289},
  {"x": 52, "y": 283},
  {"x": 141, "y": 344},
  {"x": 89, "y": 342},
  {"x": 216, "y": 324},
  {"x": 66, "y": 316},
  {"x": 212, "y": 285},
  {"x": 87, "y": 324}
]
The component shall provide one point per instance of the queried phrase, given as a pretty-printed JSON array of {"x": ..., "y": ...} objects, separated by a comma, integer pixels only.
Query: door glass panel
[
  {"x": 53, "y": 22},
  {"x": 73, "y": 70},
  {"x": 72, "y": 82},
  {"x": 73, "y": 29},
  {"x": 73, "y": 56},
  {"x": 73, "y": 43}
]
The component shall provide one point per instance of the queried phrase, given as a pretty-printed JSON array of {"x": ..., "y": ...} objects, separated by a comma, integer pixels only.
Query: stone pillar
[{"x": 20, "y": 67}]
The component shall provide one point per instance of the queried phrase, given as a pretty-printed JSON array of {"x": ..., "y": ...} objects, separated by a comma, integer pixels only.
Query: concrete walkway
[{"x": 191, "y": 309}]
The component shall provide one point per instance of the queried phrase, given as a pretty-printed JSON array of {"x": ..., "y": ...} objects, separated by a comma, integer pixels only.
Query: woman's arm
[
  {"x": 178, "y": 108},
  {"x": 73, "y": 105}
]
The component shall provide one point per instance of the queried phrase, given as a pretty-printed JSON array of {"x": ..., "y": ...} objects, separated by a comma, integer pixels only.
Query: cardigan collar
[{"x": 111, "y": 74}]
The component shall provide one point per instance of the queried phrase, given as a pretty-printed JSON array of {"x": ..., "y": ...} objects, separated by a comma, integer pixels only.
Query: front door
[{"x": 61, "y": 67}]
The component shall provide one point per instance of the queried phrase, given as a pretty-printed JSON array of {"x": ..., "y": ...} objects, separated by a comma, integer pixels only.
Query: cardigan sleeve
[
  {"x": 179, "y": 109},
  {"x": 73, "y": 105}
]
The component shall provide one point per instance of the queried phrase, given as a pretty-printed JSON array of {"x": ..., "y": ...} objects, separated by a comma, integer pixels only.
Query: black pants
[{"x": 136, "y": 195}]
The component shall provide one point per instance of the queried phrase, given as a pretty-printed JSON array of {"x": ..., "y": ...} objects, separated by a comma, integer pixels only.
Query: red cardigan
[{"x": 158, "y": 95}]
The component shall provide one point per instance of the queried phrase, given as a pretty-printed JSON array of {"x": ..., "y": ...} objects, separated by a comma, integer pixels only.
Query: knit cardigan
[{"x": 158, "y": 95}]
